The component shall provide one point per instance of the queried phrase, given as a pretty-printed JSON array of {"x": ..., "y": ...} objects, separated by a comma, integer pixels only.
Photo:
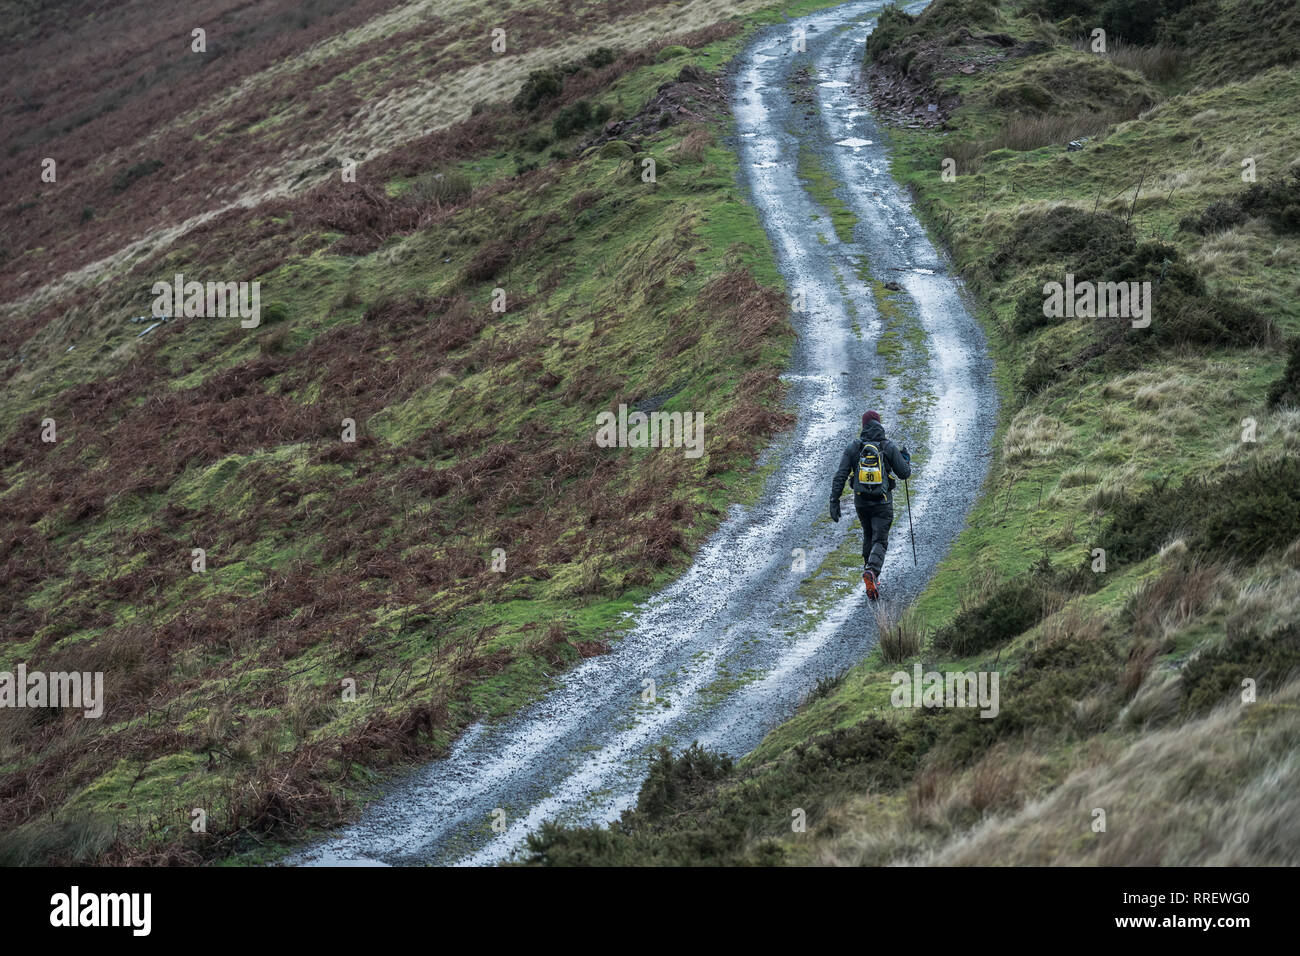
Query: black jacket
[{"x": 899, "y": 465}]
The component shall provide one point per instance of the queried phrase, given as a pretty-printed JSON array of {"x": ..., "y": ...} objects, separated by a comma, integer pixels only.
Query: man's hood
[{"x": 873, "y": 432}]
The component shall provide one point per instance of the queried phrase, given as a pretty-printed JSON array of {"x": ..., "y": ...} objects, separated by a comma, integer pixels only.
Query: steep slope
[
  {"x": 359, "y": 602},
  {"x": 1132, "y": 571},
  {"x": 773, "y": 602}
]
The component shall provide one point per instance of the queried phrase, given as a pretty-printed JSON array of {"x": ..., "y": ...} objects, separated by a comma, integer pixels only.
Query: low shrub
[
  {"x": 1132, "y": 20},
  {"x": 126, "y": 177},
  {"x": 1216, "y": 675},
  {"x": 276, "y": 342},
  {"x": 1219, "y": 216},
  {"x": 1244, "y": 514},
  {"x": 1040, "y": 372},
  {"x": 274, "y": 312},
  {"x": 1277, "y": 201},
  {"x": 673, "y": 781},
  {"x": 538, "y": 86},
  {"x": 1091, "y": 241},
  {"x": 488, "y": 262},
  {"x": 1101, "y": 248},
  {"x": 944, "y": 15},
  {"x": 1286, "y": 390},
  {"x": 601, "y": 56},
  {"x": 892, "y": 24},
  {"x": 534, "y": 142},
  {"x": 1011, "y": 608},
  {"x": 579, "y": 116},
  {"x": 671, "y": 53}
]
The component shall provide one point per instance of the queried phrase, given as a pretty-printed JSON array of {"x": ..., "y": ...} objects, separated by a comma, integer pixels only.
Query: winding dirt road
[{"x": 736, "y": 641}]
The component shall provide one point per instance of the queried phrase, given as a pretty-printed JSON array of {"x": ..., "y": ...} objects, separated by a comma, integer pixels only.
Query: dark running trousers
[{"x": 876, "y": 518}]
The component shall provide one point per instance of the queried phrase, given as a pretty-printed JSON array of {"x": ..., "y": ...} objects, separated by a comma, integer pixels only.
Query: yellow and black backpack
[{"x": 872, "y": 472}]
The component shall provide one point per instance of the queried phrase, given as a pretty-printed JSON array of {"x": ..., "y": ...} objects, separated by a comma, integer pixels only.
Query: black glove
[{"x": 835, "y": 509}]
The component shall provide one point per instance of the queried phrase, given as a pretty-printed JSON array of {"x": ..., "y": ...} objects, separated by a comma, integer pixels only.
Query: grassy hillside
[
  {"x": 473, "y": 540},
  {"x": 1172, "y": 448}
]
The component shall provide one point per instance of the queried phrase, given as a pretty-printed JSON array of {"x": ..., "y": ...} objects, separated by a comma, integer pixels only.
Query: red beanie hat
[{"x": 872, "y": 416}]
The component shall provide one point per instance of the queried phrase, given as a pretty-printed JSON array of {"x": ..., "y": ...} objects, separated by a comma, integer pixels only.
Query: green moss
[
  {"x": 821, "y": 187},
  {"x": 671, "y": 53}
]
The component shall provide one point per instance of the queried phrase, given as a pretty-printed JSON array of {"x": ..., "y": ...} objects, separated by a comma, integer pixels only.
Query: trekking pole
[{"x": 908, "y": 496}]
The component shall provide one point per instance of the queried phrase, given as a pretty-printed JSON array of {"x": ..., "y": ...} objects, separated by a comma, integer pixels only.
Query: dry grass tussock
[
  {"x": 941, "y": 802},
  {"x": 1159, "y": 812},
  {"x": 944, "y": 799},
  {"x": 1276, "y": 435},
  {"x": 1269, "y": 598},
  {"x": 692, "y": 146},
  {"x": 1157, "y": 63},
  {"x": 900, "y": 637},
  {"x": 1023, "y": 133},
  {"x": 1164, "y": 604},
  {"x": 1034, "y": 435}
]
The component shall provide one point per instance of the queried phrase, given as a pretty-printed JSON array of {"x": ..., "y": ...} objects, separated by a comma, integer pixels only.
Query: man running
[{"x": 867, "y": 464}]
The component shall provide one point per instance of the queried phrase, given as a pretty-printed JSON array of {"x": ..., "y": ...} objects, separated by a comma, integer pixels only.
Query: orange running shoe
[{"x": 869, "y": 579}]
